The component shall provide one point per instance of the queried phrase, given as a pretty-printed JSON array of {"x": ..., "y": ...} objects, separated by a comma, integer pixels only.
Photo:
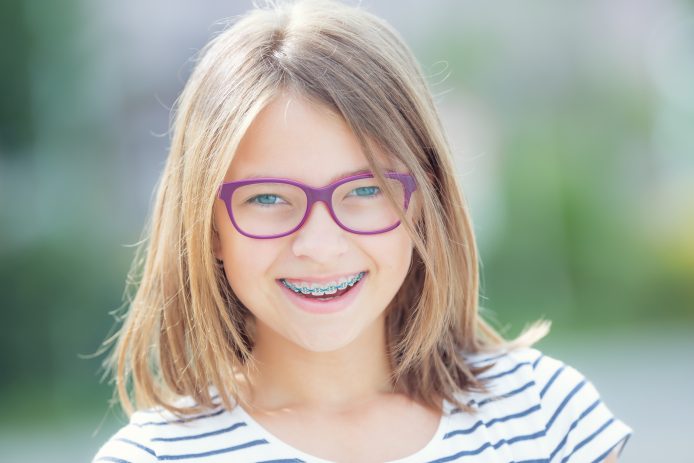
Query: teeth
[{"x": 317, "y": 289}]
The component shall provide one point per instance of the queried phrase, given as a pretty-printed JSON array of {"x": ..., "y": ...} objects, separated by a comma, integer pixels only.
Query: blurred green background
[{"x": 572, "y": 126}]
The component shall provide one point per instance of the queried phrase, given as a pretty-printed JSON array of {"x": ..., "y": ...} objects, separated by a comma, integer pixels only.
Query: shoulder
[
  {"x": 558, "y": 407},
  {"x": 155, "y": 434},
  {"x": 132, "y": 443}
]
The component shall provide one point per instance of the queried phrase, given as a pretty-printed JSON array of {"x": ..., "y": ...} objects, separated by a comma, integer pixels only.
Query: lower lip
[{"x": 322, "y": 307}]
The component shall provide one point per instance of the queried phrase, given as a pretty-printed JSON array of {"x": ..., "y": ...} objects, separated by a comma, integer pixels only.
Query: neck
[{"x": 287, "y": 376}]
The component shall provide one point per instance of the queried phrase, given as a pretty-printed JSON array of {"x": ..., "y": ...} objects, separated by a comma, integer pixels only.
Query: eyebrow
[{"x": 363, "y": 170}]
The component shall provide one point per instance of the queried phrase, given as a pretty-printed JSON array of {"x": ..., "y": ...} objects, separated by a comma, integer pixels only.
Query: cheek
[
  {"x": 247, "y": 271},
  {"x": 392, "y": 253},
  {"x": 246, "y": 261},
  {"x": 246, "y": 265}
]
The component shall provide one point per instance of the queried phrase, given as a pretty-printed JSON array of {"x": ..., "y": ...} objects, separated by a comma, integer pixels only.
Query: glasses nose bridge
[{"x": 316, "y": 195}]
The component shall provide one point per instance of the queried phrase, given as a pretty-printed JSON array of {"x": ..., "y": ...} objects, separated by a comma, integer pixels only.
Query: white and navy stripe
[{"x": 537, "y": 410}]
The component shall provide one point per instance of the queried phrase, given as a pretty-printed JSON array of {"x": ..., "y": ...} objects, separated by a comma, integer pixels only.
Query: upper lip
[{"x": 323, "y": 279}]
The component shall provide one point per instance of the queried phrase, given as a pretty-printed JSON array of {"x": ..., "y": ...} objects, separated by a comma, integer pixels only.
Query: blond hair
[{"x": 185, "y": 330}]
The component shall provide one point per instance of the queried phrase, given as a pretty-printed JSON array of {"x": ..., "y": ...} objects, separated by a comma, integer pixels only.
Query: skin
[
  {"x": 343, "y": 353},
  {"x": 611, "y": 458}
]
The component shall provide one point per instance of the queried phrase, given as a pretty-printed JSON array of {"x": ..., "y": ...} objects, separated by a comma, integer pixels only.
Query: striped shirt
[{"x": 538, "y": 409}]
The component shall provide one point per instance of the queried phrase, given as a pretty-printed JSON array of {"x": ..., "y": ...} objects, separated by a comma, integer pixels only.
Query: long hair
[{"x": 184, "y": 329}]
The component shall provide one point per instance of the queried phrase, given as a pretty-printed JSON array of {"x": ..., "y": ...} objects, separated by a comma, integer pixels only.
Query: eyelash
[
  {"x": 369, "y": 196},
  {"x": 253, "y": 199}
]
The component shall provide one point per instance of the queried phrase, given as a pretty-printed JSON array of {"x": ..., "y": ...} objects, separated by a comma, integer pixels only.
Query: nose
[{"x": 320, "y": 238}]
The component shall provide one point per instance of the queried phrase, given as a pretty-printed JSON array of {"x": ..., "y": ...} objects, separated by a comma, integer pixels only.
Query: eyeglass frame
[{"x": 314, "y": 195}]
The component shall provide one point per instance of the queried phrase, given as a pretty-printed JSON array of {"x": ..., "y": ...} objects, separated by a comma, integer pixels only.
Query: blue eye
[
  {"x": 366, "y": 191},
  {"x": 264, "y": 200}
]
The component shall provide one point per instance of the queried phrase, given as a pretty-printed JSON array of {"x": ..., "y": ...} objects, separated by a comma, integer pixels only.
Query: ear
[
  {"x": 415, "y": 207},
  {"x": 216, "y": 245},
  {"x": 216, "y": 242}
]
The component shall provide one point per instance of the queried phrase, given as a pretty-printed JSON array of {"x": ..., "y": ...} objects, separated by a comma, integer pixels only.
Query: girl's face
[{"x": 295, "y": 139}]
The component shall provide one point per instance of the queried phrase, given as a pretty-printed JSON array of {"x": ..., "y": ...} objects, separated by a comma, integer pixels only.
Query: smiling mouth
[{"x": 324, "y": 293}]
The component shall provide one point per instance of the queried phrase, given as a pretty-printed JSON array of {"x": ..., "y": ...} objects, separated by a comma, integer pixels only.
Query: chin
[{"x": 325, "y": 342}]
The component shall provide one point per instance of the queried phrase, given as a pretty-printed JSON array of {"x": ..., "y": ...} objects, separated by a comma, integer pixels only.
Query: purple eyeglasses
[{"x": 265, "y": 208}]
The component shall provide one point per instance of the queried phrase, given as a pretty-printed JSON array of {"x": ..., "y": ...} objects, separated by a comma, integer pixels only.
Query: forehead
[{"x": 295, "y": 138}]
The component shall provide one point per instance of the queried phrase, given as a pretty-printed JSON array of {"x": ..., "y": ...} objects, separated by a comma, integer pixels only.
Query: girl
[{"x": 309, "y": 289}]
